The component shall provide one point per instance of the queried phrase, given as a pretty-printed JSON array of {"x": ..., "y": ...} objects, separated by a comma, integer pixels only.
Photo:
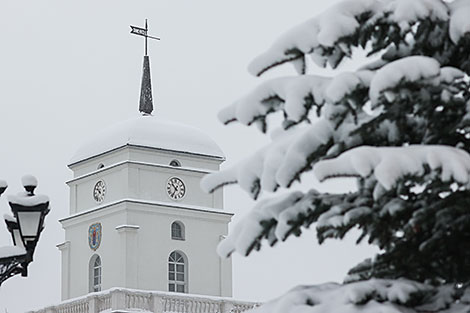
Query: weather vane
[
  {"x": 146, "y": 99},
  {"x": 142, "y": 32}
]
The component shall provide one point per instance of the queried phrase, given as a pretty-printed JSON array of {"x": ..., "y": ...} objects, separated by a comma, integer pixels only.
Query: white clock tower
[{"x": 138, "y": 218}]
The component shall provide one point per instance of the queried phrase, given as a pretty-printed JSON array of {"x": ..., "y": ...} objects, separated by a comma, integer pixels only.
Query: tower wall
[{"x": 136, "y": 216}]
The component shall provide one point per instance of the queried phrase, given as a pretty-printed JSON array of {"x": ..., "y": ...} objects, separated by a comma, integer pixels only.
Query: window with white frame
[
  {"x": 95, "y": 273},
  {"x": 177, "y": 272},
  {"x": 177, "y": 230}
]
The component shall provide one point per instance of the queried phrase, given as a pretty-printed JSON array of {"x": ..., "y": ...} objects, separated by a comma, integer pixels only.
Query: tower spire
[{"x": 146, "y": 99}]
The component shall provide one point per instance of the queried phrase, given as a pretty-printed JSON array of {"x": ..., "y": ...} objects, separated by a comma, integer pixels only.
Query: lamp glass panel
[
  {"x": 17, "y": 236},
  {"x": 29, "y": 223}
]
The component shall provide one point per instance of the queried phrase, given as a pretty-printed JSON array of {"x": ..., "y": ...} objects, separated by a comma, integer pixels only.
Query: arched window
[
  {"x": 100, "y": 166},
  {"x": 175, "y": 163},
  {"x": 177, "y": 231},
  {"x": 95, "y": 273},
  {"x": 177, "y": 272}
]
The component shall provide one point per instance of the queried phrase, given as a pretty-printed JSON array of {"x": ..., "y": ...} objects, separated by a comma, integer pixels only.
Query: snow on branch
[
  {"x": 409, "y": 69},
  {"x": 312, "y": 144},
  {"x": 406, "y": 13},
  {"x": 247, "y": 173},
  {"x": 450, "y": 74},
  {"x": 324, "y": 36},
  {"x": 290, "y": 154},
  {"x": 255, "y": 172},
  {"x": 295, "y": 96},
  {"x": 370, "y": 296},
  {"x": 256, "y": 225},
  {"x": 281, "y": 162},
  {"x": 275, "y": 219},
  {"x": 288, "y": 93},
  {"x": 345, "y": 83},
  {"x": 459, "y": 21},
  {"x": 389, "y": 164},
  {"x": 336, "y": 96},
  {"x": 322, "y": 30},
  {"x": 278, "y": 163}
]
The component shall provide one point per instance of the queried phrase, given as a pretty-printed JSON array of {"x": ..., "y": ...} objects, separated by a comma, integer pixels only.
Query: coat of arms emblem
[{"x": 94, "y": 236}]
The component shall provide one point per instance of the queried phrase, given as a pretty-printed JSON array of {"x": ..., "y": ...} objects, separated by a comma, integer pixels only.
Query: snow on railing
[
  {"x": 242, "y": 307},
  {"x": 103, "y": 302},
  {"x": 188, "y": 305},
  {"x": 138, "y": 300},
  {"x": 120, "y": 300}
]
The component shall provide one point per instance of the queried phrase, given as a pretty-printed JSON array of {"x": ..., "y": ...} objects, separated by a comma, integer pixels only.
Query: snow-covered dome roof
[{"x": 149, "y": 131}]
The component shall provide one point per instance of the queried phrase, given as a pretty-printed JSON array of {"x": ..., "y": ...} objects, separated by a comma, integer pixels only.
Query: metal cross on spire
[
  {"x": 143, "y": 32},
  {"x": 146, "y": 100}
]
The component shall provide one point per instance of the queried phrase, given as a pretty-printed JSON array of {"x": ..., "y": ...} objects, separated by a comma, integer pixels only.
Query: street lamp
[{"x": 25, "y": 226}]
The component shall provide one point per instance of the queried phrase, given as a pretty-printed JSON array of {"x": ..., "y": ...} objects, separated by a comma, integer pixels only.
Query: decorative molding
[
  {"x": 162, "y": 204},
  {"x": 63, "y": 246},
  {"x": 206, "y": 156},
  {"x": 181, "y": 169},
  {"x": 127, "y": 228}
]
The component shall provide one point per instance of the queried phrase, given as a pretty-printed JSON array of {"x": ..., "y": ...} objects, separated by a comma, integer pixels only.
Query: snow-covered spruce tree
[{"x": 400, "y": 123}]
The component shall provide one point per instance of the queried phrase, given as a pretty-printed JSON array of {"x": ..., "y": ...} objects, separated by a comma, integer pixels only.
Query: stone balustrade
[{"x": 120, "y": 300}]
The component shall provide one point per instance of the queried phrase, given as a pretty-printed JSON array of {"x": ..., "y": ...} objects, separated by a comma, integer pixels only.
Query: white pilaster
[
  {"x": 65, "y": 274},
  {"x": 129, "y": 254}
]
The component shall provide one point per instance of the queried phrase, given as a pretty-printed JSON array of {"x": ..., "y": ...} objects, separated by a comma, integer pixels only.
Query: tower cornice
[
  {"x": 165, "y": 208},
  {"x": 120, "y": 164}
]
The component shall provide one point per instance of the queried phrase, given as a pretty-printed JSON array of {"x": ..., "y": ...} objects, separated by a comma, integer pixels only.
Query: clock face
[
  {"x": 99, "y": 191},
  {"x": 175, "y": 188}
]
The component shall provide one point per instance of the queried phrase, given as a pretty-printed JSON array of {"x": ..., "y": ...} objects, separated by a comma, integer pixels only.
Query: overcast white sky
[{"x": 68, "y": 69}]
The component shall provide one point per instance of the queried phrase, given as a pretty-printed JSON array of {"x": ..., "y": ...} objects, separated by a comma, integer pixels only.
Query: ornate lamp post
[{"x": 25, "y": 227}]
